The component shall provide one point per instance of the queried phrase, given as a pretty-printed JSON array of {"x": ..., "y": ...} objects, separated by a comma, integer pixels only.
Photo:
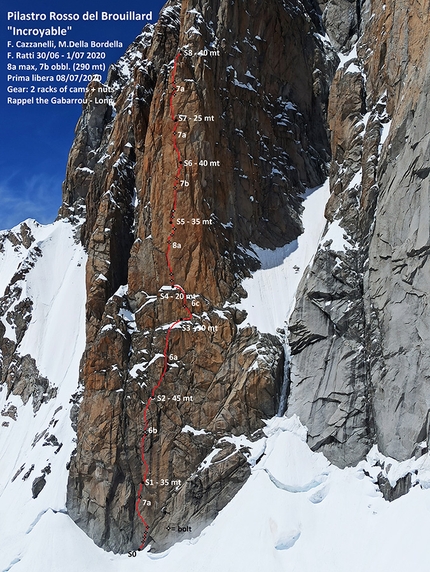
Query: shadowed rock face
[
  {"x": 360, "y": 339},
  {"x": 341, "y": 19},
  {"x": 253, "y": 106}
]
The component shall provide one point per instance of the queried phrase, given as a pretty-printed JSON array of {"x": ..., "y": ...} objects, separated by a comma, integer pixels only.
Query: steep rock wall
[
  {"x": 218, "y": 114},
  {"x": 359, "y": 332}
]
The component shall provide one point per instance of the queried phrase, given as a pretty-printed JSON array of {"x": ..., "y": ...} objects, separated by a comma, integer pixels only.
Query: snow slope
[
  {"x": 271, "y": 289},
  {"x": 55, "y": 338},
  {"x": 295, "y": 513}
]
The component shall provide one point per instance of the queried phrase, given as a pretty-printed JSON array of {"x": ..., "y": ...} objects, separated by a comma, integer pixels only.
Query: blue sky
[{"x": 35, "y": 139}]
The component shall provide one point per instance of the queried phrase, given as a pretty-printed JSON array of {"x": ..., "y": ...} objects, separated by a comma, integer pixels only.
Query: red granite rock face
[{"x": 228, "y": 104}]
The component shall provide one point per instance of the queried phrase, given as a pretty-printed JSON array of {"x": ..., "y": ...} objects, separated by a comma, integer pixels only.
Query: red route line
[{"x": 174, "y": 286}]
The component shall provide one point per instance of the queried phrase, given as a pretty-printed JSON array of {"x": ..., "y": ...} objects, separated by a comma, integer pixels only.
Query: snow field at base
[
  {"x": 296, "y": 513},
  {"x": 271, "y": 289},
  {"x": 55, "y": 338}
]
